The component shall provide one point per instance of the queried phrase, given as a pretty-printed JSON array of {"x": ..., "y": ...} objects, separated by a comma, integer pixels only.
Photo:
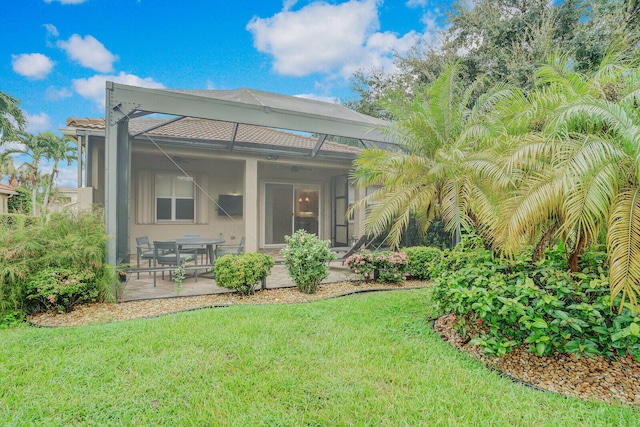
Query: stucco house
[
  {"x": 6, "y": 191},
  {"x": 225, "y": 164}
]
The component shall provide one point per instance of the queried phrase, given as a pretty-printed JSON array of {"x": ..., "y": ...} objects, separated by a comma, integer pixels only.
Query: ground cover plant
[
  {"x": 69, "y": 245},
  {"x": 370, "y": 359}
]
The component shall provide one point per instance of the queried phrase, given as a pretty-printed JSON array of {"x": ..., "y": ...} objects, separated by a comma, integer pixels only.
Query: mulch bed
[
  {"x": 613, "y": 382},
  {"x": 103, "y": 313}
]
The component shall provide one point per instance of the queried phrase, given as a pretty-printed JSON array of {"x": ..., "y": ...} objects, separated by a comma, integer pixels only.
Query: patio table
[{"x": 208, "y": 242}]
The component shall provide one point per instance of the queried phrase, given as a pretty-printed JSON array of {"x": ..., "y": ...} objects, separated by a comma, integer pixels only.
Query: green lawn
[{"x": 370, "y": 359}]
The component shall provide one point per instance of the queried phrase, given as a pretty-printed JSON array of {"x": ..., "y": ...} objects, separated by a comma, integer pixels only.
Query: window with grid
[{"x": 175, "y": 199}]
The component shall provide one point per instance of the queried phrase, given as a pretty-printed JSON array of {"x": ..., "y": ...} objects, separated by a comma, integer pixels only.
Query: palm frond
[{"x": 623, "y": 244}]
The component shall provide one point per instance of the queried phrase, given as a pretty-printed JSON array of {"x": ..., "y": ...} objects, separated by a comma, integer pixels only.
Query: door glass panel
[
  {"x": 278, "y": 212},
  {"x": 306, "y": 212}
]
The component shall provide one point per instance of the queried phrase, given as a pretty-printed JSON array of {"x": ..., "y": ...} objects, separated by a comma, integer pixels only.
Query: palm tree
[
  {"x": 9, "y": 112},
  {"x": 36, "y": 148},
  {"x": 579, "y": 175},
  {"x": 442, "y": 170},
  {"x": 60, "y": 149}
]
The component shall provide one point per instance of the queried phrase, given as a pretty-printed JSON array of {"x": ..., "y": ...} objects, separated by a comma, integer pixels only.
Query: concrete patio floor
[{"x": 142, "y": 288}]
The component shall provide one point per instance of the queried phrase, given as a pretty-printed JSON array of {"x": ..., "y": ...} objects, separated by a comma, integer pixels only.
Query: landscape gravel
[
  {"x": 103, "y": 312},
  {"x": 612, "y": 381}
]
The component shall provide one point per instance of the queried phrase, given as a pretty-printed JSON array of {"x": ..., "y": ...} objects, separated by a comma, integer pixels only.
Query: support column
[
  {"x": 123, "y": 169},
  {"x": 80, "y": 139},
  {"x": 251, "y": 205},
  {"x": 117, "y": 172},
  {"x": 110, "y": 184}
]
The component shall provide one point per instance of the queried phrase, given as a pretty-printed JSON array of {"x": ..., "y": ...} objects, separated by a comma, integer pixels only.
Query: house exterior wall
[
  {"x": 224, "y": 173},
  {"x": 4, "y": 203}
]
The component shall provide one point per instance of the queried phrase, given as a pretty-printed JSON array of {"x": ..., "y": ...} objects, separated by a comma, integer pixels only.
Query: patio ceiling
[{"x": 242, "y": 106}]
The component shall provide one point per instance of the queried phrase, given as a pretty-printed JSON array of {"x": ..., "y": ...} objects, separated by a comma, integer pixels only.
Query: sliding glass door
[{"x": 290, "y": 207}]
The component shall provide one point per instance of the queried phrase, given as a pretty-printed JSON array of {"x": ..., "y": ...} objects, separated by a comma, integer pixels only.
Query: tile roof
[
  {"x": 86, "y": 123},
  {"x": 7, "y": 189},
  {"x": 189, "y": 128}
]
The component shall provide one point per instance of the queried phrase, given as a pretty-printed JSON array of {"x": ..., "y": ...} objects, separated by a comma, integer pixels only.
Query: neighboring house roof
[
  {"x": 7, "y": 190},
  {"x": 215, "y": 131}
]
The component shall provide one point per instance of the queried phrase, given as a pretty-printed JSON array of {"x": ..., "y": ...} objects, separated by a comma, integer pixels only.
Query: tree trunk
[
  {"x": 34, "y": 189},
  {"x": 544, "y": 240},
  {"x": 575, "y": 255},
  {"x": 52, "y": 177}
]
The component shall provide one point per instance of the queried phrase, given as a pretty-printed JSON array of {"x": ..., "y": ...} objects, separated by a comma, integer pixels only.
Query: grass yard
[{"x": 369, "y": 359}]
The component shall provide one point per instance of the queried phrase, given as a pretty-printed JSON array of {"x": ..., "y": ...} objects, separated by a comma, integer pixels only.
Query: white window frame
[{"x": 174, "y": 178}]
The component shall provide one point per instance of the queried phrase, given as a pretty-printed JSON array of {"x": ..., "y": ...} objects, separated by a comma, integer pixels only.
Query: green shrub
[
  {"x": 422, "y": 261},
  {"x": 503, "y": 304},
  {"x": 16, "y": 220},
  {"x": 61, "y": 288},
  {"x": 306, "y": 259},
  {"x": 21, "y": 202},
  {"x": 242, "y": 272},
  {"x": 66, "y": 240},
  {"x": 381, "y": 266}
]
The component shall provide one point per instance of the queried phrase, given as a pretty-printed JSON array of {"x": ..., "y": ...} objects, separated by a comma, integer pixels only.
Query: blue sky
[{"x": 57, "y": 54}]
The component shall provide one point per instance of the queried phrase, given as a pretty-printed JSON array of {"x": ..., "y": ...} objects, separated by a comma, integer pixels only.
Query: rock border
[{"x": 617, "y": 396}]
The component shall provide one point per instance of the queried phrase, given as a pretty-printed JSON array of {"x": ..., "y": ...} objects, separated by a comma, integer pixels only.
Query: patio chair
[
  {"x": 230, "y": 249},
  {"x": 144, "y": 251},
  {"x": 195, "y": 250},
  {"x": 344, "y": 252},
  {"x": 167, "y": 252}
]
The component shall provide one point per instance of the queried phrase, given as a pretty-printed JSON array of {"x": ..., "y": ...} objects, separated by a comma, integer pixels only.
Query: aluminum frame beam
[{"x": 124, "y": 102}]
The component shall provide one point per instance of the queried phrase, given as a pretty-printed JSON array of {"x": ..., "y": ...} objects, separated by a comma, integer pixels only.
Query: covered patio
[
  {"x": 261, "y": 165},
  {"x": 141, "y": 289}
]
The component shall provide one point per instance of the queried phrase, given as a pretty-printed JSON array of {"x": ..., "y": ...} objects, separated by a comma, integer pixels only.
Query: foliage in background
[
  {"x": 37, "y": 148},
  {"x": 20, "y": 203},
  {"x": 61, "y": 289},
  {"x": 435, "y": 236},
  {"x": 503, "y": 41},
  {"x": 66, "y": 240},
  {"x": 306, "y": 259},
  {"x": 501, "y": 304},
  {"x": 383, "y": 266},
  {"x": 11, "y": 117},
  {"x": 242, "y": 272}
]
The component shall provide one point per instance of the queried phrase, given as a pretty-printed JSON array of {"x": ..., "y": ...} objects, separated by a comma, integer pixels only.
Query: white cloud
[
  {"x": 67, "y": 175},
  {"x": 11, "y": 145},
  {"x": 288, "y": 4},
  {"x": 315, "y": 97},
  {"x": 417, "y": 3},
  {"x": 89, "y": 52},
  {"x": 37, "y": 123},
  {"x": 55, "y": 94},
  {"x": 93, "y": 88},
  {"x": 320, "y": 37},
  {"x": 326, "y": 38},
  {"x": 33, "y": 65},
  {"x": 66, "y": 1},
  {"x": 51, "y": 30}
]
